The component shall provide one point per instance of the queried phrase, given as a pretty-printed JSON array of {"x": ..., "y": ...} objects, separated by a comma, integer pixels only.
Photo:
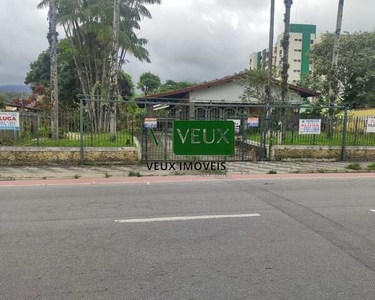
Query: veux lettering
[{"x": 205, "y": 136}]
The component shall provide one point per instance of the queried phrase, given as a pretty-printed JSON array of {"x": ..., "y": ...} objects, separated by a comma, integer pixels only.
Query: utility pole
[{"x": 333, "y": 87}]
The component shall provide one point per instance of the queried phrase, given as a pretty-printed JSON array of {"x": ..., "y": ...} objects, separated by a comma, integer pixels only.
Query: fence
[
  {"x": 258, "y": 127},
  {"x": 35, "y": 131}
]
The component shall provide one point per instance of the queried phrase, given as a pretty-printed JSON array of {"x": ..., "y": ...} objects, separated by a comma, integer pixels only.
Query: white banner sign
[
  {"x": 9, "y": 121},
  {"x": 370, "y": 124},
  {"x": 310, "y": 126},
  {"x": 237, "y": 124}
]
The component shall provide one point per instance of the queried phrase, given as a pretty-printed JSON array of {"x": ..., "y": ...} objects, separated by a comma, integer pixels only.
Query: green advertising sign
[{"x": 203, "y": 138}]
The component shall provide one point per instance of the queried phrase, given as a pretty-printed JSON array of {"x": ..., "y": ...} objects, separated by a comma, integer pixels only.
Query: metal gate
[{"x": 157, "y": 142}]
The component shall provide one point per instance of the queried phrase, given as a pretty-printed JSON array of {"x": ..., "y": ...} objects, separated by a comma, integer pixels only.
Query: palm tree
[
  {"x": 285, "y": 64},
  {"x": 270, "y": 53},
  {"x": 100, "y": 34},
  {"x": 333, "y": 89},
  {"x": 285, "y": 46},
  {"x": 114, "y": 67},
  {"x": 52, "y": 39},
  {"x": 268, "y": 92}
]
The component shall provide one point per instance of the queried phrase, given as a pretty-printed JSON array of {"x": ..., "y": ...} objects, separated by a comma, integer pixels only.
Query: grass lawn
[
  {"x": 359, "y": 139},
  {"x": 123, "y": 139}
]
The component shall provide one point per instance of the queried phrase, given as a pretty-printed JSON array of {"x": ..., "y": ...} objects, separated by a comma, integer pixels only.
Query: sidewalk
[{"x": 68, "y": 172}]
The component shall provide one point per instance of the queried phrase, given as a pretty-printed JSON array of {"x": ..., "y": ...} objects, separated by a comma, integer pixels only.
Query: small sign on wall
[
  {"x": 252, "y": 122},
  {"x": 151, "y": 122},
  {"x": 9, "y": 121},
  {"x": 310, "y": 126},
  {"x": 370, "y": 124}
]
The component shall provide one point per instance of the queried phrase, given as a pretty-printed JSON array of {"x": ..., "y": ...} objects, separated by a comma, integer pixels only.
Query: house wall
[
  {"x": 231, "y": 92},
  {"x": 227, "y": 91}
]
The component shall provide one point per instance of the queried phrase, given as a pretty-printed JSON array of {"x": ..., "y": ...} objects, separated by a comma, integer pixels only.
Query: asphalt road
[{"x": 313, "y": 239}]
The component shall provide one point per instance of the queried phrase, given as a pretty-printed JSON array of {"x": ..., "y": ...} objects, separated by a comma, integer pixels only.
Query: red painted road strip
[{"x": 171, "y": 179}]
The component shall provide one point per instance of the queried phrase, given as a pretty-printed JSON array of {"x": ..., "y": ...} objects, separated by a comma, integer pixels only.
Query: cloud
[
  {"x": 23, "y": 32},
  {"x": 194, "y": 40}
]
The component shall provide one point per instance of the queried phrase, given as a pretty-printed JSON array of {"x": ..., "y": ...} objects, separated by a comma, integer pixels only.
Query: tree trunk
[
  {"x": 269, "y": 73},
  {"x": 114, "y": 67},
  {"x": 52, "y": 37},
  {"x": 285, "y": 66},
  {"x": 333, "y": 88},
  {"x": 270, "y": 57}
]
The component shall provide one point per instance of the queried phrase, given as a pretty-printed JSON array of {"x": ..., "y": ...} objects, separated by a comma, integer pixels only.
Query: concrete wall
[
  {"x": 67, "y": 156},
  {"x": 353, "y": 153}
]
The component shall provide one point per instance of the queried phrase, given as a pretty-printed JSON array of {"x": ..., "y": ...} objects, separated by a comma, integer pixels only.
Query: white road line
[
  {"x": 186, "y": 218},
  {"x": 373, "y": 210}
]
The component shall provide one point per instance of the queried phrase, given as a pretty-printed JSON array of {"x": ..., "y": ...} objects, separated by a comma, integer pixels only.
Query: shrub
[
  {"x": 134, "y": 174},
  {"x": 354, "y": 166}
]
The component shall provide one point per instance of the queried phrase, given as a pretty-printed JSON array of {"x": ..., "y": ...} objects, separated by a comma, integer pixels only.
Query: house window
[
  {"x": 229, "y": 113},
  {"x": 214, "y": 114},
  {"x": 311, "y": 42},
  {"x": 200, "y": 114}
]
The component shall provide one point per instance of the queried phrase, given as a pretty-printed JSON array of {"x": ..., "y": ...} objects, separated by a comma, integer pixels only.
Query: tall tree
[
  {"x": 254, "y": 84},
  {"x": 89, "y": 26},
  {"x": 285, "y": 64},
  {"x": 355, "y": 69},
  {"x": 52, "y": 39},
  {"x": 270, "y": 53},
  {"x": 2, "y": 101},
  {"x": 285, "y": 46},
  {"x": 148, "y": 82},
  {"x": 333, "y": 90},
  {"x": 114, "y": 88},
  {"x": 68, "y": 82},
  {"x": 171, "y": 85}
]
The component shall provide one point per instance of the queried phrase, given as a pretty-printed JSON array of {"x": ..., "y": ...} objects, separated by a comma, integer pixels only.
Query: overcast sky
[{"x": 195, "y": 40}]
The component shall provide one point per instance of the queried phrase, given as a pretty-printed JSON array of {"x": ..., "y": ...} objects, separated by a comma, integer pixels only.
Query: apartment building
[{"x": 302, "y": 37}]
